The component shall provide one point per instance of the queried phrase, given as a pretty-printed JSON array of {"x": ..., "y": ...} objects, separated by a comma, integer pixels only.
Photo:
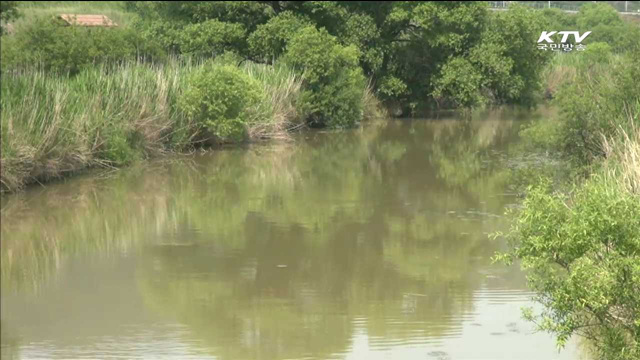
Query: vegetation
[
  {"x": 107, "y": 116},
  {"x": 582, "y": 255},
  {"x": 581, "y": 246},
  {"x": 416, "y": 56},
  {"x": 335, "y": 83},
  {"x": 8, "y": 12},
  {"x": 48, "y": 45},
  {"x": 175, "y": 75}
]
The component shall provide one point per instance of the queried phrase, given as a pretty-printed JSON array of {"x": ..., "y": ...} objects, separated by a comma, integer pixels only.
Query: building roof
[{"x": 87, "y": 20}]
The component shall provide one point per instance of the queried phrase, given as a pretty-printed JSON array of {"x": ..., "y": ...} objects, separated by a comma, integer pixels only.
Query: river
[{"x": 362, "y": 244}]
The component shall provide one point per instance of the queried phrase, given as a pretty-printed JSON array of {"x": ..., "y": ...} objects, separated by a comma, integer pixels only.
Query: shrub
[
  {"x": 212, "y": 38},
  {"x": 582, "y": 255},
  {"x": 511, "y": 66},
  {"x": 335, "y": 83},
  {"x": 49, "y": 44},
  {"x": 222, "y": 100},
  {"x": 165, "y": 33},
  {"x": 597, "y": 52},
  {"x": 608, "y": 27}
]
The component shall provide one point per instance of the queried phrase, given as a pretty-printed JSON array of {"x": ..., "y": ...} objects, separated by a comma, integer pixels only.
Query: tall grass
[
  {"x": 53, "y": 125},
  {"x": 113, "y": 115},
  {"x": 371, "y": 106},
  {"x": 282, "y": 87},
  {"x": 564, "y": 68},
  {"x": 622, "y": 165}
]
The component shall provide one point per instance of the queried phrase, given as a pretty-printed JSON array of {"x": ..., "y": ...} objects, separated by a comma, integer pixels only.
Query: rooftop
[{"x": 87, "y": 20}]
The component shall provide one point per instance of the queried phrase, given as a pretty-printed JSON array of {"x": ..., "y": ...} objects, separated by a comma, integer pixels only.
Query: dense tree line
[{"x": 417, "y": 54}]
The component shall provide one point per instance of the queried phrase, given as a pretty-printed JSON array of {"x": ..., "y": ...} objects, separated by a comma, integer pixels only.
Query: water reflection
[{"x": 359, "y": 244}]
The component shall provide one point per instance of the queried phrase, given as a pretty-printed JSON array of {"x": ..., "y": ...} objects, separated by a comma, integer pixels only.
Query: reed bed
[
  {"x": 565, "y": 68},
  {"x": 623, "y": 160},
  {"x": 111, "y": 115}
]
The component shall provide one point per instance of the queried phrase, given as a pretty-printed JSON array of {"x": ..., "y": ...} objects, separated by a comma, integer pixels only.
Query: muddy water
[{"x": 363, "y": 244}]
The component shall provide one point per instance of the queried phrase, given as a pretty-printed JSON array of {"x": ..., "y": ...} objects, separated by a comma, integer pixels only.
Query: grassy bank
[
  {"x": 565, "y": 67},
  {"x": 110, "y": 116},
  {"x": 580, "y": 240}
]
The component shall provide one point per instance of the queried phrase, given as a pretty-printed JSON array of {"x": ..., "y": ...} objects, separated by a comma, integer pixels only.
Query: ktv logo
[
  {"x": 545, "y": 42},
  {"x": 546, "y": 36}
]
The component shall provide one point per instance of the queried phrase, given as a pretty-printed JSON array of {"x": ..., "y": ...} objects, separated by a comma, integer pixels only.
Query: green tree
[
  {"x": 459, "y": 82},
  {"x": 582, "y": 254},
  {"x": 606, "y": 26},
  {"x": 269, "y": 41},
  {"x": 212, "y": 38},
  {"x": 335, "y": 83}
]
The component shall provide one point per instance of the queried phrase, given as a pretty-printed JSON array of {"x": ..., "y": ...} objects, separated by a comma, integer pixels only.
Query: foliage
[
  {"x": 221, "y": 99},
  {"x": 69, "y": 49},
  {"x": 559, "y": 20},
  {"x": 335, "y": 83},
  {"x": 269, "y": 40},
  {"x": 412, "y": 51},
  {"x": 459, "y": 82},
  {"x": 581, "y": 254},
  {"x": 580, "y": 247},
  {"x": 409, "y": 49},
  {"x": 511, "y": 66},
  {"x": 598, "y": 52},
  {"x": 502, "y": 66},
  {"x": 211, "y": 38},
  {"x": 607, "y": 26},
  {"x": 8, "y": 12},
  {"x": 104, "y": 116},
  {"x": 598, "y": 104}
]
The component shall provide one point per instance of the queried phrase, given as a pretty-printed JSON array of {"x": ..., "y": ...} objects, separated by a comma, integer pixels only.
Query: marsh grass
[
  {"x": 372, "y": 107},
  {"x": 282, "y": 88},
  {"x": 108, "y": 116},
  {"x": 105, "y": 116},
  {"x": 564, "y": 68},
  {"x": 622, "y": 165}
]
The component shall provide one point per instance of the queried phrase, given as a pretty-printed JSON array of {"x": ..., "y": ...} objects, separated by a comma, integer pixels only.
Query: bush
[
  {"x": 335, "y": 83},
  {"x": 49, "y": 44},
  {"x": 501, "y": 67},
  {"x": 222, "y": 99},
  {"x": 511, "y": 66},
  {"x": 582, "y": 255},
  {"x": 212, "y": 38},
  {"x": 597, "y": 52}
]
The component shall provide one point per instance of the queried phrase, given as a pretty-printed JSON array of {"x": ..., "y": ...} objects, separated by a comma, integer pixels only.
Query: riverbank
[
  {"x": 54, "y": 126},
  {"x": 78, "y": 97},
  {"x": 580, "y": 241}
]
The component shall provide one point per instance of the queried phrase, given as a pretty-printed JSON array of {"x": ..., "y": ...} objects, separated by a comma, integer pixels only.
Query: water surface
[{"x": 363, "y": 244}]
